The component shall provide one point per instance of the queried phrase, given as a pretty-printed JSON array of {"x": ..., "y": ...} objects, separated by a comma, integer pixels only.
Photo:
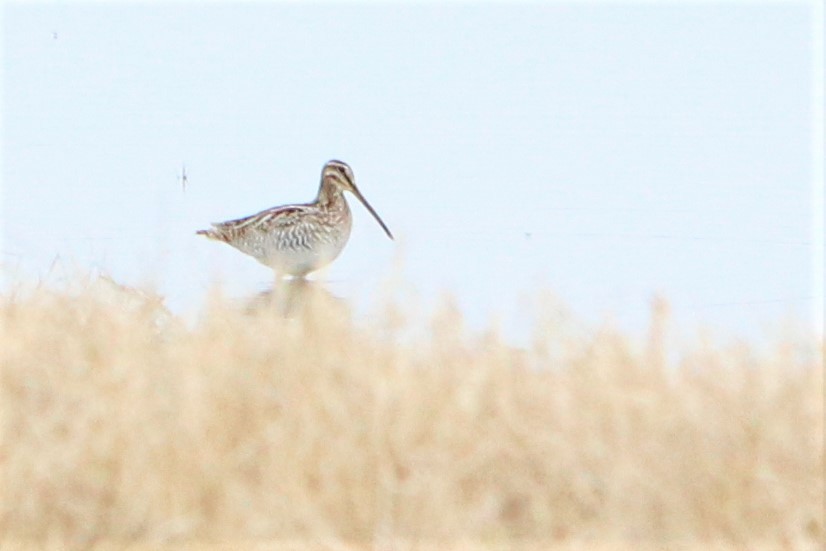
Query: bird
[{"x": 295, "y": 240}]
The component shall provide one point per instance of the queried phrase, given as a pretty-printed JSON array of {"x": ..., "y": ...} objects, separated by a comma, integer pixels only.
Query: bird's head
[{"x": 340, "y": 175}]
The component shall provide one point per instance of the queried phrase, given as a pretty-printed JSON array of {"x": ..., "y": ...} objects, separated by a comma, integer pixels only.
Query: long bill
[{"x": 364, "y": 202}]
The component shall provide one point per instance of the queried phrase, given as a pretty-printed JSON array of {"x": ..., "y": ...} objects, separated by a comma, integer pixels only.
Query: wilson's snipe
[{"x": 297, "y": 239}]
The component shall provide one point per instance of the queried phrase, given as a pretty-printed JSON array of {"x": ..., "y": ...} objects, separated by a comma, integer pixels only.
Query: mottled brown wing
[{"x": 265, "y": 221}]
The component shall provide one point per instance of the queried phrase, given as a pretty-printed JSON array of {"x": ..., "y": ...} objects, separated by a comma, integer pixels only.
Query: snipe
[{"x": 295, "y": 240}]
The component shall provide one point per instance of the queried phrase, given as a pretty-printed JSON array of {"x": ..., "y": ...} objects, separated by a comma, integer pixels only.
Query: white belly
[
  {"x": 296, "y": 252},
  {"x": 301, "y": 261}
]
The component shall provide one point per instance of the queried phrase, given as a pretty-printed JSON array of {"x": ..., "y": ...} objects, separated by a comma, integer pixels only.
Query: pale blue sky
[{"x": 602, "y": 151}]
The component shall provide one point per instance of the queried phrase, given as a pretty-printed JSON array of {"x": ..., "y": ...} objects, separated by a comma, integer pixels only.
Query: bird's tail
[{"x": 212, "y": 234}]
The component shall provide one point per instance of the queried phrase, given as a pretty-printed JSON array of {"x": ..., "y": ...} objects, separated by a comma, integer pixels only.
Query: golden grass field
[{"x": 288, "y": 425}]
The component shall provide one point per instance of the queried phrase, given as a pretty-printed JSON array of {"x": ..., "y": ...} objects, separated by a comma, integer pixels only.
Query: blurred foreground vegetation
[{"x": 283, "y": 423}]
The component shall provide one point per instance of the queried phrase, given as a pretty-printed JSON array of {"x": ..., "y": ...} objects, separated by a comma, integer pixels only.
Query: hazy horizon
[{"x": 604, "y": 152}]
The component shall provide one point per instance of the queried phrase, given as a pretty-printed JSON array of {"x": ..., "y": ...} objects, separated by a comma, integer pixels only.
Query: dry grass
[{"x": 123, "y": 427}]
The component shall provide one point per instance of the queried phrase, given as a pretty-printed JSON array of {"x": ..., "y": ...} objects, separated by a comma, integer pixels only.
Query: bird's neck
[{"x": 330, "y": 195}]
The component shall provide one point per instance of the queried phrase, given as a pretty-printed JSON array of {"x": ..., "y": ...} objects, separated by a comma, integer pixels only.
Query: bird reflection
[{"x": 296, "y": 297}]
